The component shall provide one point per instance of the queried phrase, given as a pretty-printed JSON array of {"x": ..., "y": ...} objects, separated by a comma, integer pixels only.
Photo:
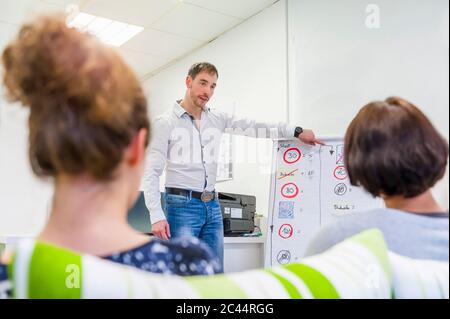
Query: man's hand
[
  {"x": 161, "y": 229},
  {"x": 309, "y": 138}
]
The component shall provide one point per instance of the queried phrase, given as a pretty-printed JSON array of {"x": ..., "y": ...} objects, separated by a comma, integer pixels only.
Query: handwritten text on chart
[
  {"x": 343, "y": 207},
  {"x": 283, "y": 175}
]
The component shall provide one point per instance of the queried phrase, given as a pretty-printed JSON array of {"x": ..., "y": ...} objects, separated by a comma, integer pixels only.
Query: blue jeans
[{"x": 189, "y": 216}]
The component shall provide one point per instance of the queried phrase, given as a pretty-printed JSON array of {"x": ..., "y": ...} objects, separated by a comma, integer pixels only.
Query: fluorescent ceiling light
[{"x": 109, "y": 31}]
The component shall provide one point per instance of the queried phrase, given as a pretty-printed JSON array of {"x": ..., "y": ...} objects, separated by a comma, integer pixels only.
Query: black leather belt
[{"x": 205, "y": 196}]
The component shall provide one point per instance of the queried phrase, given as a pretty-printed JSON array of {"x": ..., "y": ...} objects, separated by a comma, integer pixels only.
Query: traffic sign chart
[{"x": 309, "y": 189}]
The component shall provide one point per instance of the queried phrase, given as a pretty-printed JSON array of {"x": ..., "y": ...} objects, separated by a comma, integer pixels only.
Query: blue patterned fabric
[
  {"x": 185, "y": 256},
  {"x": 4, "y": 283},
  {"x": 3, "y": 274},
  {"x": 192, "y": 217}
]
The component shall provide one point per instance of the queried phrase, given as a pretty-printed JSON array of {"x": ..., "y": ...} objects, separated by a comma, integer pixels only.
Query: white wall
[
  {"x": 336, "y": 64},
  {"x": 251, "y": 60},
  {"x": 24, "y": 199},
  {"x": 339, "y": 64}
]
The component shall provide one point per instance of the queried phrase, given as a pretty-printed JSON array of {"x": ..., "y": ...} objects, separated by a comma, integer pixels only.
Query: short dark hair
[
  {"x": 391, "y": 148},
  {"x": 197, "y": 68}
]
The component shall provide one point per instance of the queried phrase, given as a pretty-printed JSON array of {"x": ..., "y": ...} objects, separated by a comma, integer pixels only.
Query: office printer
[{"x": 238, "y": 212}]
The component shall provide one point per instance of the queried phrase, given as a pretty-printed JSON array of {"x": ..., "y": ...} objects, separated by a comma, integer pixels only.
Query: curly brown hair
[
  {"x": 392, "y": 149},
  {"x": 85, "y": 103}
]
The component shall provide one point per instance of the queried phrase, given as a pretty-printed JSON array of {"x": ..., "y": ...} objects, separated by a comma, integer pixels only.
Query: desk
[{"x": 243, "y": 253}]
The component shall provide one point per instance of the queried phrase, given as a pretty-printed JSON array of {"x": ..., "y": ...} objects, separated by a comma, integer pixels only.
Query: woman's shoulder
[
  {"x": 190, "y": 246},
  {"x": 189, "y": 251},
  {"x": 5, "y": 286},
  {"x": 181, "y": 256},
  {"x": 3, "y": 272}
]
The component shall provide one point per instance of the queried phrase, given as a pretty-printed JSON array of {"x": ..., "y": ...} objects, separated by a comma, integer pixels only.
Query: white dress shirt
[{"x": 189, "y": 154}]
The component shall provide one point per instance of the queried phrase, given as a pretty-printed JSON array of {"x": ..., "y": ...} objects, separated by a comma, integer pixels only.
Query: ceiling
[{"x": 172, "y": 28}]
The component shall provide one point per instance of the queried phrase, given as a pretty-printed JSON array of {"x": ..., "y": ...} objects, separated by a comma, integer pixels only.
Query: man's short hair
[
  {"x": 392, "y": 149},
  {"x": 202, "y": 67}
]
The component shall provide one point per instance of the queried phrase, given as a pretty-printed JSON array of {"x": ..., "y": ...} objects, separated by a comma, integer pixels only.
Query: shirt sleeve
[
  {"x": 336, "y": 232},
  {"x": 242, "y": 126},
  {"x": 155, "y": 164}
]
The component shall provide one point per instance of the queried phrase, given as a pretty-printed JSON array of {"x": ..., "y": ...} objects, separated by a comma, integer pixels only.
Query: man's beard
[{"x": 196, "y": 100}]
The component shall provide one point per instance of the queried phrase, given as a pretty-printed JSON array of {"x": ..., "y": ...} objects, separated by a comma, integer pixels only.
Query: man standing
[{"x": 186, "y": 142}]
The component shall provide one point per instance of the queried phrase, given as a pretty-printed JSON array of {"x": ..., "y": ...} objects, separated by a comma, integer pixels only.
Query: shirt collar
[{"x": 180, "y": 111}]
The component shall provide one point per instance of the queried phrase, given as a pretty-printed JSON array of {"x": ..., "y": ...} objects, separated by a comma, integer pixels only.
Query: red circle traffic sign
[
  {"x": 289, "y": 190},
  {"x": 340, "y": 172},
  {"x": 292, "y": 155},
  {"x": 285, "y": 231}
]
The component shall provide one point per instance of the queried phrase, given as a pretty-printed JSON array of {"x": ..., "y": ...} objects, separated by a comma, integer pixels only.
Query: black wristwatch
[{"x": 298, "y": 131}]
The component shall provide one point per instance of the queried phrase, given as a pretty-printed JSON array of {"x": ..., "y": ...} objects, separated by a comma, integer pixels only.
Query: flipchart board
[{"x": 309, "y": 188}]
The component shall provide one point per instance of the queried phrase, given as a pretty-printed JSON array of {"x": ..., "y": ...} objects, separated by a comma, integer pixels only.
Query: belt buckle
[{"x": 207, "y": 196}]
